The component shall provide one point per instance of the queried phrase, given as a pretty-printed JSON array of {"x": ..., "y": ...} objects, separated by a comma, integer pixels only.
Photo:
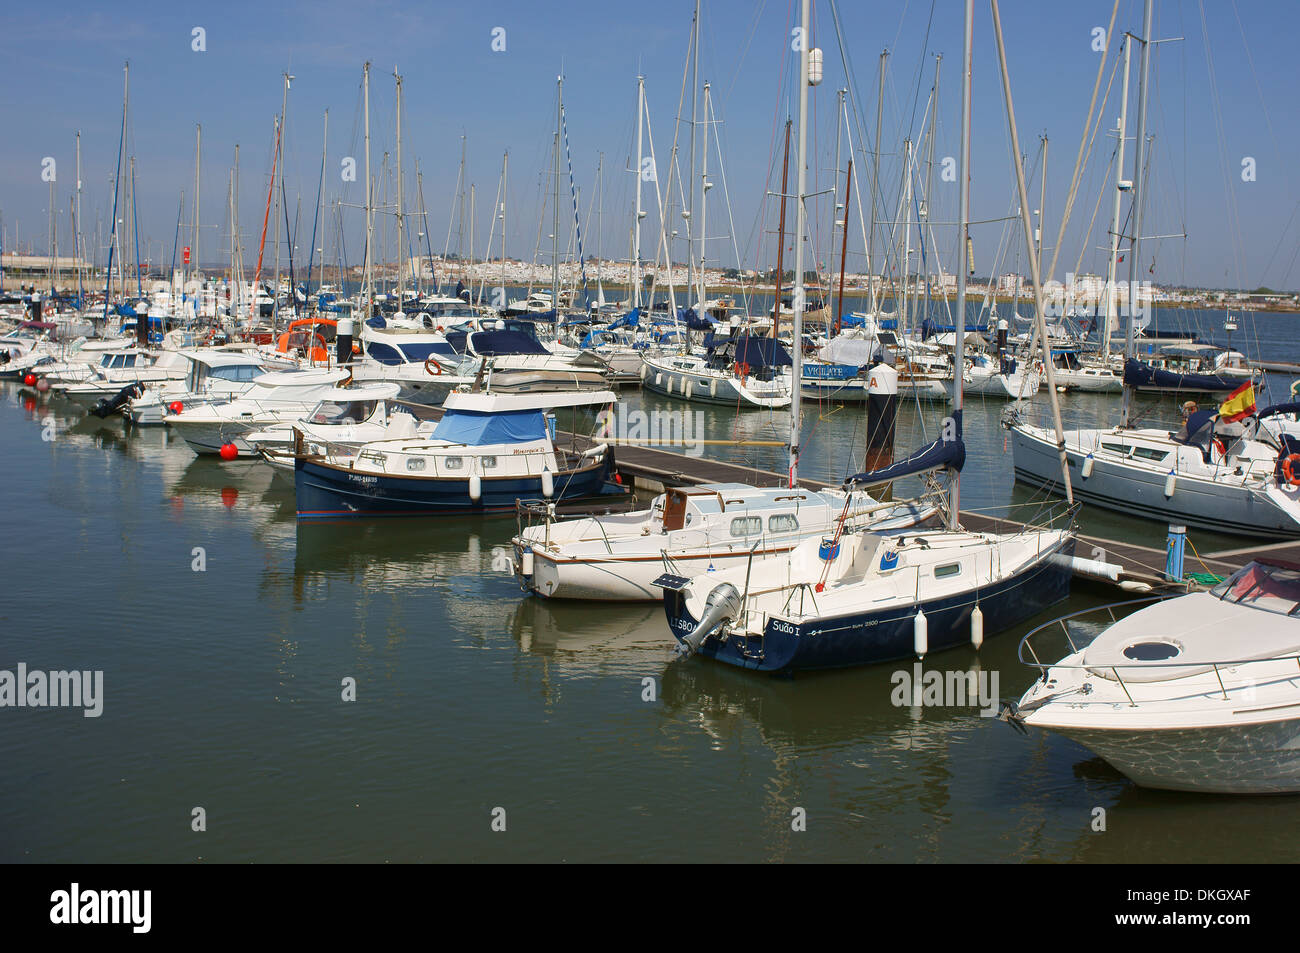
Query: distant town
[{"x": 1083, "y": 291}]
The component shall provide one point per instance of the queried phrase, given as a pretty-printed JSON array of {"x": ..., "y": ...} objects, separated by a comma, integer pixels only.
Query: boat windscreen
[{"x": 1261, "y": 586}]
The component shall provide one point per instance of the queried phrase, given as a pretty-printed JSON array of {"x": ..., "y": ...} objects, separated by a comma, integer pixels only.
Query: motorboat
[
  {"x": 487, "y": 453},
  {"x": 346, "y": 419},
  {"x": 744, "y": 371},
  {"x": 221, "y": 373},
  {"x": 1199, "y": 692},
  {"x": 274, "y": 397}
]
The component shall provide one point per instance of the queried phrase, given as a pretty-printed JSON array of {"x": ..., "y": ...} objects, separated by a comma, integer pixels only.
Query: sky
[{"x": 1223, "y": 113}]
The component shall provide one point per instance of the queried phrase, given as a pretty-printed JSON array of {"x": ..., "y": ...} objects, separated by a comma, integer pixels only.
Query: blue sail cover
[
  {"x": 761, "y": 352},
  {"x": 476, "y": 429},
  {"x": 1137, "y": 374},
  {"x": 493, "y": 343},
  {"x": 950, "y": 454}
]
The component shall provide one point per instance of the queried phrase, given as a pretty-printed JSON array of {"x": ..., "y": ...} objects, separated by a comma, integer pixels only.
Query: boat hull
[
  {"x": 868, "y": 638},
  {"x": 1220, "y": 507},
  {"x": 329, "y": 492},
  {"x": 1237, "y": 759}
]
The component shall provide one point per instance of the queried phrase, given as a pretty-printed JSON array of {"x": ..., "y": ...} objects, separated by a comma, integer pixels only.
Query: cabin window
[
  {"x": 415, "y": 463},
  {"x": 385, "y": 354},
  {"x": 782, "y": 523},
  {"x": 1150, "y": 453},
  {"x": 1116, "y": 448},
  {"x": 488, "y": 462},
  {"x": 746, "y": 525},
  {"x": 943, "y": 572},
  {"x": 454, "y": 463}
]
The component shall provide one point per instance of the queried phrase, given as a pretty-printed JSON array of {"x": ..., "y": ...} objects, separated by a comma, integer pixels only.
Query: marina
[{"x": 811, "y": 474}]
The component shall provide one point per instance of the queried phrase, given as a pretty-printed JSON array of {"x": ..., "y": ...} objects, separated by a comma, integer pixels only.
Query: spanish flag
[{"x": 1239, "y": 405}]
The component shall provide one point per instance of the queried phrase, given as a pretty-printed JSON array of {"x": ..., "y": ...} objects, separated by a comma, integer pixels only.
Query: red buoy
[
  {"x": 176, "y": 407},
  {"x": 29, "y": 380},
  {"x": 43, "y": 384},
  {"x": 229, "y": 451}
]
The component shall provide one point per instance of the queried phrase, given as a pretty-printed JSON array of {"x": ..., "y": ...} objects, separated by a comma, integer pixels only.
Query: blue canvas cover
[
  {"x": 950, "y": 454},
  {"x": 476, "y": 429},
  {"x": 1138, "y": 374},
  {"x": 492, "y": 343}
]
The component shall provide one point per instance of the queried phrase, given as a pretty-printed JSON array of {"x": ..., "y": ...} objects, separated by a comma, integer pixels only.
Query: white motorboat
[
  {"x": 274, "y": 397},
  {"x": 214, "y": 374},
  {"x": 343, "y": 421},
  {"x": 1200, "y": 692}
]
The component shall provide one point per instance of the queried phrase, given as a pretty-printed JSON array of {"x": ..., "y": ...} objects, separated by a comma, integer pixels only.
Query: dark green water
[{"x": 222, "y": 691}]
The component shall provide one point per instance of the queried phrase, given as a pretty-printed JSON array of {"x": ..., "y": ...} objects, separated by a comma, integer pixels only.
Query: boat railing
[{"x": 1062, "y": 622}]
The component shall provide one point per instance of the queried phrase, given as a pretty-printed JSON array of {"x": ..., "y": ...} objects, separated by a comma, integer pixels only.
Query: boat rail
[{"x": 1062, "y": 621}]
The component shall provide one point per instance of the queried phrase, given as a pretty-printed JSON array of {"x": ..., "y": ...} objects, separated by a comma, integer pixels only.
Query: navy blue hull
[
  {"x": 329, "y": 493},
  {"x": 867, "y": 638}
]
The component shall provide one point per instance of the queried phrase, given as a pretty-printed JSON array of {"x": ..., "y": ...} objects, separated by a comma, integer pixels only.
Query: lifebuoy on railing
[
  {"x": 432, "y": 367},
  {"x": 742, "y": 370},
  {"x": 1288, "y": 468}
]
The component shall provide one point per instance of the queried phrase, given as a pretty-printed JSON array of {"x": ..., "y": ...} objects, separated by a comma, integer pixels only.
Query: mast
[
  {"x": 875, "y": 182},
  {"x": 194, "y": 228},
  {"x": 695, "y": 98},
  {"x": 370, "y": 226},
  {"x": 555, "y": 224},
  {"x": 704, "y": 199},
  {"x": 1112, "y": 293},
  {"x": 929, "y": 175},
  {"x": 963, "y": 236},
  {"x": 76, "y": 235},
  {"x": 1042, "y": 201},
  {"x": 780, "y": 238},
  {"x": 844, "y": 239},
  {"x": 401, "y": 220},
  {"x": 117, "y": 176},
  {"x": 796, "y": 372},
  {"x": 505, "y": 168},
  {"x": 636, "y": 230},
  {"x": 907, "y": 239},
  {"x": 135, "y": 233},
  {"x": 1033, "y": 250},
  {"x": 1139, "y": 192}
]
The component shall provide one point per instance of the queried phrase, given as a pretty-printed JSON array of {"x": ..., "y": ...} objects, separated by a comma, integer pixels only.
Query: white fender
[
  {"x": 689, "y": 389},
  {"x": 1086, "y": 470},
  {"x": 1171, "y": 483},
  {"x": 548, "y": 484},
  {"x": 475, "y": 487},
  {"x": 976, "y": 627},
  {"x": 920, "y": 633}
]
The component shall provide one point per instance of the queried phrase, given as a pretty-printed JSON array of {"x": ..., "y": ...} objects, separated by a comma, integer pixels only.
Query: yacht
[{"x": 1199, "y": 692}]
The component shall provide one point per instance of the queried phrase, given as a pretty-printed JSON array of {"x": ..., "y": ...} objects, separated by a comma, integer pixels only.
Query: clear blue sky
[{"x": 64, "y": 68}]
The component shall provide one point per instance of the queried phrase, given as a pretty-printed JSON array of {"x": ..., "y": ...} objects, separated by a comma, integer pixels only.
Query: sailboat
[
  {"x": 855, "y": 598},
  {"x": 1222, "y": 473}
]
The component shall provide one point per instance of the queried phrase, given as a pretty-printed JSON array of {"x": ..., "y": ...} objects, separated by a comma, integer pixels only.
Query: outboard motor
[
  {"x": 721, "y": 606},
  {"x": 343, "y": 340},
  {"x": 107, "y": 406}
]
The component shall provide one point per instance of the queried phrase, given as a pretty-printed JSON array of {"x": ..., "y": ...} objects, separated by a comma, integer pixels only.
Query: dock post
[
  {"x": 882, "y": 414},
  {"x": 1174, "y": 553}
]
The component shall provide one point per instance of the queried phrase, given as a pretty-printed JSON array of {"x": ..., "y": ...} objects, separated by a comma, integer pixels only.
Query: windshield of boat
[
  {"x": 342, "y": 412},
  {"x": 1261, "y": 586}
]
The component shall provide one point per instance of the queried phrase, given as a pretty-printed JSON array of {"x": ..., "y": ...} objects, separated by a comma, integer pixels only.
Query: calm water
[{"x": 222, "y": 690}]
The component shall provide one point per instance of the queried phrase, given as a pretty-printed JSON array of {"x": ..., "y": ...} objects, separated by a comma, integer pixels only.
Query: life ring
[
  {"x": 1222, "y": 447},
  {"x": 1288, "y": 471},
  {"x": 432, "y": 367},
  {"x": 742, "y": 370}
]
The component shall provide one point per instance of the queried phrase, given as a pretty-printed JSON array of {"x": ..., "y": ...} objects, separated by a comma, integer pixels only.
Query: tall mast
[
  {"x": 636, "y": 229},
  {"x": 505, "y": 169},
  {"x": 194, "y": 228},
  {"x": 780, "y": 238},
  {"x": 963, "y": 237},
  {"x": 117, "y": 177},
  {"x": 555, "y": 223},
  {"x": 907, "y": 236},
  {"x": 796, "y": 372},
  {"x": 460, "y": 224},
  {"x": 875, "y": 183},
  {"x": 370, "y": 226},
  {"x": 695, "y": 98},
  {"x": 1139, "y": 192},
  {"x": 704, "y": 197},
  {"x": 929, "y": 172},
  {"x": 1112, "y": 293},
  {"x": 324, "y": 151},
  {"x": 401, "y": 220},
  {"x": 76, "y": 235},
  {"x": 1042, "y": 202},
  {"x": 600, "y": 226}
]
